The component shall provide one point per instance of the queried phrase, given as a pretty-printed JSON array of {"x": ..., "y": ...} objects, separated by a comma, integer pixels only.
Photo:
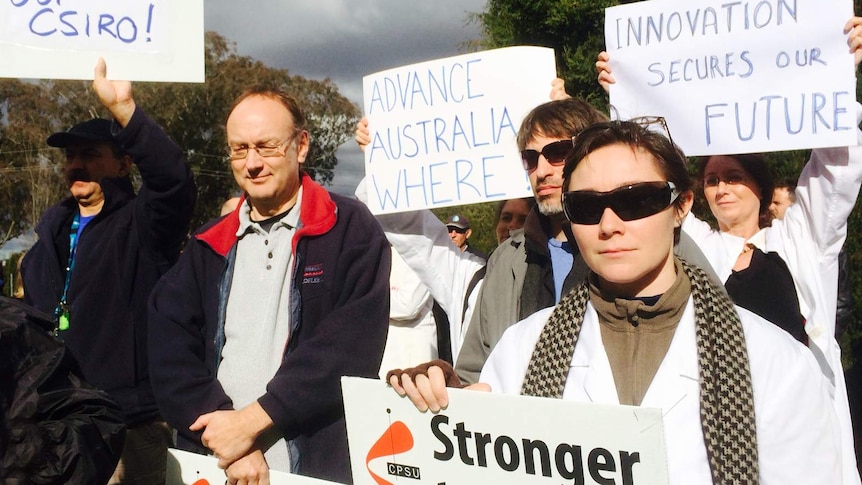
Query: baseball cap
[
  {"x": 459, "y": 221},
  {"x": 97, "y": 129}
]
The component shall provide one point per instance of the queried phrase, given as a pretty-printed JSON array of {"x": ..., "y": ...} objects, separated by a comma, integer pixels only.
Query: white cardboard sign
[
  {"x": 443, "y": 132},
  {"x": 736, "y": 77},
  {"x": 141, "y": 40},
  {"x": 186, "y": 468},
  {"x": 492, "y": 438}
]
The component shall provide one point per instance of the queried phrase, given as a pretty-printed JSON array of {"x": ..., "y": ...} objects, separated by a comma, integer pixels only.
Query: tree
[
  {"x": 30, "y": 182},
  {"x": 193, "y": 115},
  {"x": 575, "y": 30}
]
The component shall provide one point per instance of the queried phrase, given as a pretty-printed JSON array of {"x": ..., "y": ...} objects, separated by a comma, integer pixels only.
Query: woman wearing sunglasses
[
  {"x": 808, "y": 242},
  {"x": 646, "y": 329}
]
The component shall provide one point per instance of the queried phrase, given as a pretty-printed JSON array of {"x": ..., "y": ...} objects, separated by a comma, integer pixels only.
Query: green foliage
[
  {"x": 193, "y": 115},
  {"x": 574, "y": 29}
]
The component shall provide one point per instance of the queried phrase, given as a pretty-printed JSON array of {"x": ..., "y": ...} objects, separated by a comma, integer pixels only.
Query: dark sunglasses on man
[
  {"x": 555, "y": 153},
  {"x": 629, "y": 202}
]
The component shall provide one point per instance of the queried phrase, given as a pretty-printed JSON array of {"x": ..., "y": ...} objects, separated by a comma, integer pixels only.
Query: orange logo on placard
[{"x": 396, "y": 439}]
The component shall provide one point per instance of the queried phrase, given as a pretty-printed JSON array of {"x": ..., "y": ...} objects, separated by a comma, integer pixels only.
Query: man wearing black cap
[
  {"x": 101, "y": 251},
  {"x": 460, "y": 232}
]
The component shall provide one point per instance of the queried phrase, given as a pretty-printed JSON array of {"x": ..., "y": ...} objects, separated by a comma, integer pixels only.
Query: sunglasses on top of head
[
  {"x": 555, "y": 153},
  {"x": 629, "y": 202}
]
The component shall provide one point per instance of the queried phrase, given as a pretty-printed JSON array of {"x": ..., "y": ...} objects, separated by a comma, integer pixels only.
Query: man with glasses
[
  {"x": 268, "y": 307},
  {"x": 102, "y": 250},
  {"x": 537, "y": 266}
]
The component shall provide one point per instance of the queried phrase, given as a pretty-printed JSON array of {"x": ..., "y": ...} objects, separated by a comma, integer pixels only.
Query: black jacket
[
  {"x": 55, "y": 428},
  {"x": 121, "y": 254},
  {"x": 339, "y": 321}
]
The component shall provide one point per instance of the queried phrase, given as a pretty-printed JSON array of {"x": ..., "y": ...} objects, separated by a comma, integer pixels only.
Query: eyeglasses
[
  {"x": 268, "y": 150},
  {"x": 629, "y": 203},
  {"x": 732, "y": 178},
  {"x": 555, "y": 153},
  {"x": 456, "y": 229},
  {"x": 655, "y": 124}
]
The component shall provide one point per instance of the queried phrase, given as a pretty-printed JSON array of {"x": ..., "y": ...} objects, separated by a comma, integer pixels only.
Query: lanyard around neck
[{"x": 61, "y": 313}]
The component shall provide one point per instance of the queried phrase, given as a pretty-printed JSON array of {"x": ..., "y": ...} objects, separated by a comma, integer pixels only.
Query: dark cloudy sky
[{"x": 344, "y": 40}]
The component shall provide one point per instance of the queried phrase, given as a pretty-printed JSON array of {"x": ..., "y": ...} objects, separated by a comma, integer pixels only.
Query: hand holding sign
[
  {"x": 251, "y": 468},
  {"x": 426, "y": 384},
  {"x": 115, "y": 95},
  {"x": 853, "y": 27}
]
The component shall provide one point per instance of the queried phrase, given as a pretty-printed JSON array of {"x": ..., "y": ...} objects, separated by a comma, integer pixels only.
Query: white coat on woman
[
  {"x": 797, "y": 439},
  {"x": 423, "y": 241},
  {"x": 808, "y": 239}
]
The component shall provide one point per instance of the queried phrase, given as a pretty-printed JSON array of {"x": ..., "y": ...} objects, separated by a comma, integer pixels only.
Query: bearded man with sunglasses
[
  {"x": 537, "y": 266},
  {"x": 268, "y": 307}
]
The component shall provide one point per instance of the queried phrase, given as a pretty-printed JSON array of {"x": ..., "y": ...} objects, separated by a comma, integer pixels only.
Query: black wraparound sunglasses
[
  {"x": 555, "y": 153},
  {"x": 629, "y": 202}
]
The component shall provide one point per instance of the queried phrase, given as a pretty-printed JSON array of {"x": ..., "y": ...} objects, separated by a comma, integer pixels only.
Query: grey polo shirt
[{"x": 257, "y": 319}]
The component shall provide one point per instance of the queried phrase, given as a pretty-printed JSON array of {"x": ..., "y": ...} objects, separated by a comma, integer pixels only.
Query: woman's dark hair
[
  {"x": 669, "y": 158},
  {"x": 756, "y": 167}
]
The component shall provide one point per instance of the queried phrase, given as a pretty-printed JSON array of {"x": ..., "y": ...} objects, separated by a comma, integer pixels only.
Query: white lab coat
[
  {"x": 809, "y": 239},
  {"x": 797, "y": 439},
  {"x": 423, "y": 241},
  {"x": 412, "y": 337}
]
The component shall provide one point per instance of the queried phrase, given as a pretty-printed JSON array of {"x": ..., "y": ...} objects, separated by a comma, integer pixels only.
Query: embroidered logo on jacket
[{"x": 312, "y": 274}]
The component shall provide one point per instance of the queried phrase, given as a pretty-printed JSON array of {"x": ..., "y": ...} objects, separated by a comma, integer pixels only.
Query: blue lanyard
[{"x": 61, "y": 313}]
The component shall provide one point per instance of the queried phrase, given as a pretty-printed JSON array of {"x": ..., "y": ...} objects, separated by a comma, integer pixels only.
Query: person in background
[
  {"x": 534, "y": 267},
  {"x": 738, "y": 189},
  {"x": 783, "y": 196},
  {"x": 460, "y": 231},
  {"x": 268, "y": 307},
  {"x": 647, "y": 329},
  {"x": 100, "y": 252},
  {"x": 511, "y": 215}
]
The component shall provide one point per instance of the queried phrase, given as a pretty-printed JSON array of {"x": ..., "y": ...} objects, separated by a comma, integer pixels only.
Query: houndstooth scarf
[{"x": 726, "y": 397}]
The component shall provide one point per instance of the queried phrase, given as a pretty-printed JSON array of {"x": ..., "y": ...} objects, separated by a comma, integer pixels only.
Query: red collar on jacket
[{"x": 317, "y": 214}]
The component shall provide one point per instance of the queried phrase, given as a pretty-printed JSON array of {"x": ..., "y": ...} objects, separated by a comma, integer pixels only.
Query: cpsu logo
[{"x": 396, "y": 439}]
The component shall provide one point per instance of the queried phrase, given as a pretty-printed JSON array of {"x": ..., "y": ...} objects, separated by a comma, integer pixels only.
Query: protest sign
[
  {"x": 736, "y": 77},
  {"x": 443, "y": 132},
  {"x": 186, "y": 468},
  {"x": 492, "y": 438},
  {"x": 141, "y": 40}
]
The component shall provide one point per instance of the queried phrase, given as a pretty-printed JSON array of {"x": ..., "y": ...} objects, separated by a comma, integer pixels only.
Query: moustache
[{"x": 77, "y": 175}]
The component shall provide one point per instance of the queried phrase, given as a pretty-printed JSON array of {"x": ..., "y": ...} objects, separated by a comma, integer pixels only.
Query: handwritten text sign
[
  {"x": 491, "y": 438},
  {"x": 443, "y": 132},
  {"x": 186, "y": 468},
  {"x": 736, "y": 77},
  {"x": 141, "y": 40}
]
